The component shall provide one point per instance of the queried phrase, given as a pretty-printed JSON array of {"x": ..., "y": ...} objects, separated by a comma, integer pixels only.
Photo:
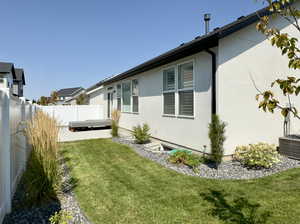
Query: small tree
[
  {"x": 217, "y": 139},
  {"x": 289, "y": 47},
  {"x": 44, "y": 101},
  {"x": 82, "y": 99},
  {"x": 54, "y": 97}
]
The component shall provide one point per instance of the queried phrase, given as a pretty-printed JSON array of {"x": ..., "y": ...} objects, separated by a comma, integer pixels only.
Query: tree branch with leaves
[{"x": 288, "y": 45}]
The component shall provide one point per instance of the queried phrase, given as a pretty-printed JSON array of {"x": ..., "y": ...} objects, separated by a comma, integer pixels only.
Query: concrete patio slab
[{"x": 67, "y": 136}]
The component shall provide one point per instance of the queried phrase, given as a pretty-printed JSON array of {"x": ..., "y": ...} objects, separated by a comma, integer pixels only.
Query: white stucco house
[{"x": 177, "y": 92}]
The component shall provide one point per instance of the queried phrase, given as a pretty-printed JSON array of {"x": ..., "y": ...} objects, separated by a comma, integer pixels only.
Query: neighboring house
[
  {"x": 96, "y": 93},
  {"x": 73, "y": 100},
  {"x": 19, "y": 82},
  {"x": 7, "y": 75},
  {"x": 177, "y": 92},
  {"x": 67, "y": 94},
  {"x": 70, "y": 101}
]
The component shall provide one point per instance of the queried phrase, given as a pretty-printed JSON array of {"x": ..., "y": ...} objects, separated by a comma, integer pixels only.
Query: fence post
[
  {"x": 23, "y": 137},
  {"x": 5, "y": 148},
  {"x": 30, "y": 110},
  {"x": 77, "y": 112}
]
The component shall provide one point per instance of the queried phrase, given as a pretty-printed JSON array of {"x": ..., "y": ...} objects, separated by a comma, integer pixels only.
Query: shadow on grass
[
  {"x": 239, "y": 211},
  {"x": 68, "y": 182}
]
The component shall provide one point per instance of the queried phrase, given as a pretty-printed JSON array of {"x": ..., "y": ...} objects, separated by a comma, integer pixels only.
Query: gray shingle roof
[
  {"x": 20, "y": 75},
  {"x": 6, "y": 67},
  {"x": 69, "y": 91}
]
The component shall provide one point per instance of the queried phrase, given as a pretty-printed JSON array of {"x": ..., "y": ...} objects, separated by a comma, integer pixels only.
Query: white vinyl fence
[
  {"x": 67, "y": 113},
  {"x": 14, "y": 149}
]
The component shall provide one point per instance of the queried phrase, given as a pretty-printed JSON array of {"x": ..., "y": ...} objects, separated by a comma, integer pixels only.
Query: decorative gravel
[
  {"x": 38, "y": 215},
  {"x": 232, "y": 170}
]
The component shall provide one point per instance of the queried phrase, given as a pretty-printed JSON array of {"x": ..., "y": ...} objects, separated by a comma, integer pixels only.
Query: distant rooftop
[
  {"x": 20, "y": 75},
  {"x": 69, "y": 91},
  {"x": 6, "y": 67}
]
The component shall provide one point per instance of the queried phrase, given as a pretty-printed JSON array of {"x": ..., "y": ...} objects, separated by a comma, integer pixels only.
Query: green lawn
[{"x": 115, "y": 185}]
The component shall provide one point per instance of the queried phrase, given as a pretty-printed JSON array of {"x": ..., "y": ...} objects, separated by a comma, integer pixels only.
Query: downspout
[{"x": 213, "y": 81}]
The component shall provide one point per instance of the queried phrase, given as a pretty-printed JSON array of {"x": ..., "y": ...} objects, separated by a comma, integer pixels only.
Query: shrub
[
  {"x": 141, "y": 134},
  {"x": 259, "y": 155},
  {"x": 61, "y": 217},
  {"x": 42, "y": 175},
  {"x": 115, "y": 117},
  {"x": 186, "y": 158},
  {"x": 217, "y": 139}
]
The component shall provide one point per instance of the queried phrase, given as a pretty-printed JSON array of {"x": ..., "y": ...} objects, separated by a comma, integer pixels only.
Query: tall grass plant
[{"x": 42, "y": 174}]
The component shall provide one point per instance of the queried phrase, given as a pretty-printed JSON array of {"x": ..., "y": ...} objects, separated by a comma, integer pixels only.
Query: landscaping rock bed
[
  {"x": 227, "y": 170},
  {"x": 66, "y": 201}
]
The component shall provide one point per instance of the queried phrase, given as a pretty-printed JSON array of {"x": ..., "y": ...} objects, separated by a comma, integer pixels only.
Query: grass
[{"x": 115, "y": 185}]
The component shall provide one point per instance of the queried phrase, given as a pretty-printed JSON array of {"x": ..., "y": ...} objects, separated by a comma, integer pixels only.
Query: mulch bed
[
  {"x": 232, "y": 170},
  {"x": 66, "y": 201}
]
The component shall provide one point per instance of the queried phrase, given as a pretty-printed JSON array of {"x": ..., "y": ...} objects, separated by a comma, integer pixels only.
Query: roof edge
[{"x": 197, "y": 45}]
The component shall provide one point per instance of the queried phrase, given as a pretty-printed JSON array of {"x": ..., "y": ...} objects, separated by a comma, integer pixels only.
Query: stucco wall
[
  {"x": 97, "y": 98},
  {"x": 192, "y": 133},
  {"x": 241, "y": 55}
]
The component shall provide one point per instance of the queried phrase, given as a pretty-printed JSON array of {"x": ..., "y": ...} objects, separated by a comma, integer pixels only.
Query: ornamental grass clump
[
  {"x": 141, "y": 134},
  {"x": 115, "y": 118},
  {"x": 261, "y": 155},
  {"x": 42, "y": 174}
]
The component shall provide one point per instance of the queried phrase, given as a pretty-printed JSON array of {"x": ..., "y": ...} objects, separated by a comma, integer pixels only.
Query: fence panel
[
  {"x": 5, "y": 179},
  {"x": 66, "y": 114},
  {"x": 14, "y": 148},
  {"x": 18, "y": 141}
]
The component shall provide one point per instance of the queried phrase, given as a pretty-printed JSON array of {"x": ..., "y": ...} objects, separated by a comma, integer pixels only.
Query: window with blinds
[
  {"x": 169, "y": 103},
  {"x": 119, "y": 91},
  {"x": 135, "y": 96},
  {"x": 169, "y": 91},
  {"x": 178, "y": 88},
  {"x": 126, "y": 96},
  {"x": 186, "y": 89},
  {"x": 185, "y": 76},
  {"x": 119, "y": 94},
  {"x": 186, "y": 103},
  {"x": 169, "y": 79}
]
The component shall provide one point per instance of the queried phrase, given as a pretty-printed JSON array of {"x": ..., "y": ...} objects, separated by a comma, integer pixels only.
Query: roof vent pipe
[{"x": 207, "y": 18}]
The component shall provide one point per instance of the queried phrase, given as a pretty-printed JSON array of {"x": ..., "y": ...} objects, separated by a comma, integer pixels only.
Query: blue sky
[{"x": 69, "y": 43}]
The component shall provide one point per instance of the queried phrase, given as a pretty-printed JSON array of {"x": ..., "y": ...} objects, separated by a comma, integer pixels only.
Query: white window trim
[
  {"x": 138, "y": 95},
  {"x": 110, "y": 89},
  {"x": 131, "y": 95},
  {"x": 169, "y": 91},
  {"x": 120, "y": 97},
  {"x": 122, "y": 110},
  {"x": 177, "y": 90}
]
